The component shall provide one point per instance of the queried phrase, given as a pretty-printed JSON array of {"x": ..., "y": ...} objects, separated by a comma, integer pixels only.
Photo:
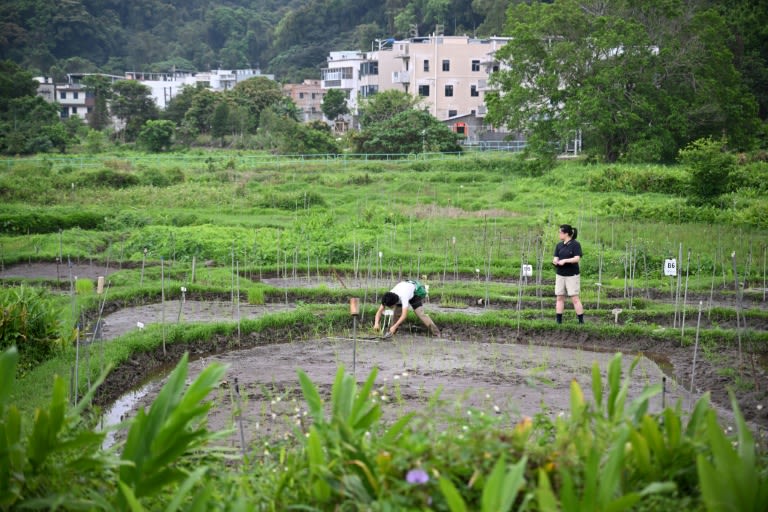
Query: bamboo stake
[
  {"x": 162, "y": 299},
  {"x": 738, "y": 309},
  {"x": 685, "y": 295},
  {"x": 695, "y": 347}
]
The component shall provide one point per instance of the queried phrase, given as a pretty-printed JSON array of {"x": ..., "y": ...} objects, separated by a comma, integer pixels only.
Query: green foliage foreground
[{"x": 606, "y": 454}]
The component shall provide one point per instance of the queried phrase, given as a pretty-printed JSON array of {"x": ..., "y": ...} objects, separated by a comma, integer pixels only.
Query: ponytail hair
[{"x": 569, "y": 230}]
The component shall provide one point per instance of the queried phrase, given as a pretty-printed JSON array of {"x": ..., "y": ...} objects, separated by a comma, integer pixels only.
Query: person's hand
[
  {"x": 376, "y": 326},
  {"x": 392, "y": 330}
]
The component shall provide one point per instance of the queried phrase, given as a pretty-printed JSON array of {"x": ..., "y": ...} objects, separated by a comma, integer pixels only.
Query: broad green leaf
[
  {"x": 452, "y": 496},
  {"x": 311, "y": 395},
  {"x": 130, "y": 498},
  {"x": 397, "y": 428},
  {"x": 614, "y": 383},
  {"x": 185, "y": 488},
  {"x": 597, "y": 386},
  {"x": 491, "y": 497},
  {"x": 546, "y": 498},
  {"x": 578, "y": 404},
  {"x": 8, "y": 361},
  {"x": 361, "y": 406}
]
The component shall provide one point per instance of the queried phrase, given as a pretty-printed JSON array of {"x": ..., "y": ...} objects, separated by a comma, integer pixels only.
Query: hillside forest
[{"x": 640, "y": 79}]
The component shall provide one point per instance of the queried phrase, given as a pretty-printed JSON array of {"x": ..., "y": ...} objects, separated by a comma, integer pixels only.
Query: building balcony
[
  {"x": 333, "y": 83},
  {"x": 401, "y": 77}
]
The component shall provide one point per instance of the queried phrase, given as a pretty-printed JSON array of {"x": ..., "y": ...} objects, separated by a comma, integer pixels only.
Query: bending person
[{"x": 405, "y": 295}]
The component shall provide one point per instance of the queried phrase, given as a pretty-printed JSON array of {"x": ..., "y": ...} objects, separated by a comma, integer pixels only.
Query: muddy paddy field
[{"x": 474, "y": 370}]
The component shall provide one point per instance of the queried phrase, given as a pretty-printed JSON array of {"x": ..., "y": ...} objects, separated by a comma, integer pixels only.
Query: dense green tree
[
  {"x": 748, "y": 30},
  {"x": 409, "y": 131},
  {"x": 287, "y": 108},
  {"x": 100, "y": 87},
  {"x": 220, "y": 122},
  {"x": 639, "y": 80},
  {"x": 256, "y": 94},
  {"x": 283, "y": 135},
  {"x": 156, "y": 135},
  {"x": 15, "y": 82},
  {"x": 132, "y": 103},
  {"x": 385, "y": 105},
  {"x": 177, "y": 107},
  {"x": 334, "y": 104},
  {"x": 199, "y": 115},
  {"x": 28, "y": 124}
]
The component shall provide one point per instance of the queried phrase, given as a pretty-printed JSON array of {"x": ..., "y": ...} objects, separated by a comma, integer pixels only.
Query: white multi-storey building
[
  {"x": 73, "y": 99},
  {"x": 449, "y": 74}
]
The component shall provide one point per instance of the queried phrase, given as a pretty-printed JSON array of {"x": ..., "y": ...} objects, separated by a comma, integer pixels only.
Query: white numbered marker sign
[{"x": 670, "y": 267}]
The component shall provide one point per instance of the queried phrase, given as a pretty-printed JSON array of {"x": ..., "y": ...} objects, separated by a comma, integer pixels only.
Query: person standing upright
[{"x": 567, "y": 280}]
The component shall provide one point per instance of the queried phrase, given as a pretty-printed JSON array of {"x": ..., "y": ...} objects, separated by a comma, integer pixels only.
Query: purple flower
[{"x": 417, "y": 476}]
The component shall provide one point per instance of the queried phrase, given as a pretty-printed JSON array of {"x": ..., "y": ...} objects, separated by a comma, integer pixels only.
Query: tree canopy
[
  {"x": 407, "y": 131},
  {"x": 639, "y": 80}
]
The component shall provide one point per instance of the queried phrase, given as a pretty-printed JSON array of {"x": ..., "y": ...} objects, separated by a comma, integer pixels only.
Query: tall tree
[
  {"x": 334, "y": 104},
  {"x": 408, "y": 131},
  {"x": 256, "y": 94},
  {"x": 28, "y": 124},
  {"x": 640, "y": 80},
  {"x": 132, "y": 103},
  {"x": 100, "y": 87},
  {"x": 385, "y": 105},
  {"x": 220, "y": 124}
]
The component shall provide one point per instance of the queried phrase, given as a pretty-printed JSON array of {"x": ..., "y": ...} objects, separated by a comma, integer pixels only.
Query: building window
[
  {"x": 446, "y": 65},
  {"x": 64, "y": 112},
  {"x": 74, "y": 110},
  {"x": 423, "y": 90},
  {"x": 301, "y": 95},
  {"x": 449, "y": 90},
  {"x": 63, "y": 95},
  {"x": 313, "y": 95},
  {"x": 452, "y": 113},
  {"x": 369, "y": 68},
  {"x": 368, "y": 90},
  {"x": 475, "y": 65},
  {"x": 473, "y": 90},
  {"x": 426, "y": 65},
  {"x": 74, "y": 95}
]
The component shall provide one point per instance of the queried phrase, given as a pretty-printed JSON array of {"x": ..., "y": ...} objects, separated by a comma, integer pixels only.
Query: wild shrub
[
  {"x": 709, "y": 167},
  {"x": 105, "y": 178},
  {"x": 127, "y": 219},
  {"x": 48, "y": 221},
  {"x": 26, "y": 182},
  {"x": 752, "y": 176},
  {"x": 291, "y": 201},
  {"x": 634, "y": 180},
  {"x": 161, "y": 177},
  {"x": 30, "y": 321}
]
